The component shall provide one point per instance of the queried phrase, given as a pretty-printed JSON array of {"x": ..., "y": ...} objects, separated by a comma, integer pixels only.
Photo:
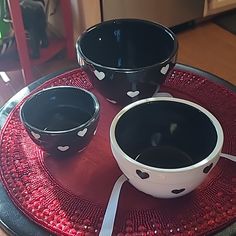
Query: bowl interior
[
  {"x": 166, "y": 134},
  {"x": 59, "y": 109},
  {"x": 127, "y": 44}
]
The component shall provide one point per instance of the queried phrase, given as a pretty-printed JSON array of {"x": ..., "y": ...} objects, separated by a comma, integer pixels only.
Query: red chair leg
[
  {"x": 22, "y": 48},
  {"x": 68, "y": 24}
]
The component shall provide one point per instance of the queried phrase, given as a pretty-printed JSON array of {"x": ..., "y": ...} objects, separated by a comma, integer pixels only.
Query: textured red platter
[{"x": 69, "y": 196}]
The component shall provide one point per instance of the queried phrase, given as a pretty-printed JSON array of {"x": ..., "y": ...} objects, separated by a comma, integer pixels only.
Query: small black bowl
[
  {"x": 127, "y": 59},
  {"x": 61, "y": 120}
]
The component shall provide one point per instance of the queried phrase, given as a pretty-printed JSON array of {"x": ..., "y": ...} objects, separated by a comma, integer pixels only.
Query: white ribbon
[
  {"x": 162, "y": 94},
  {"x": 228, "y": 156},
  {"x": 110, "y": 214}
]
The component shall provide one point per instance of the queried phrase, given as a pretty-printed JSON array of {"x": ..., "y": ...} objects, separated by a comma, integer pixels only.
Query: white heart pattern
[
  {"x": 165, "y": 69},
  {"x": 133, "y": 94},
  {"x": 100, "y": 75},
  {"x": 63, "y": 148},
  {"x": 81, "y": 133},
  {"x": 37, "y": 136}
]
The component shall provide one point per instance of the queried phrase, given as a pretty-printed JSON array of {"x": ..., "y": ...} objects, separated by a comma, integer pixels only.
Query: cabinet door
[
  {"x": 167, "y": 12},
  {"x": 217, "y": 6},
  {"x": 214, "y": 4}
]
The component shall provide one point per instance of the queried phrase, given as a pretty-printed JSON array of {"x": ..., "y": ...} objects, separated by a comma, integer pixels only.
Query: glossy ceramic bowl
[
  {"x": 61, "y": 120},
  {"x": 127, "y": 59},
  {"x": 165, "y": 146}
]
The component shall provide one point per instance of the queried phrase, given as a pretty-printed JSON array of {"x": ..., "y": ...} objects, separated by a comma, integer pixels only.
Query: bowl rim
[
  {"x": 215, "y": 152},
  {"x": 127, "y": 70},
  {"x": 93, "y": 118}
]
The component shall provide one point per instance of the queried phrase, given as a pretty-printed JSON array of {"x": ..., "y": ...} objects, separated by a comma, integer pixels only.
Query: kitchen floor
[
  {"x": 206, "y": 46},
  {"x": 211, "y": 48}
]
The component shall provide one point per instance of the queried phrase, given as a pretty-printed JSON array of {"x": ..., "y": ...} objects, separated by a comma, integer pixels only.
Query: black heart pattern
[
  {"x": 142, "y": 175},
  {"x": 207, "y": 168},
  {"x": 177, "y": 191}
]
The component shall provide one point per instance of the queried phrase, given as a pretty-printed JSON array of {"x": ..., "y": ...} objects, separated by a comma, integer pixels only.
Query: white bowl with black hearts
[
  {"x": 166, "y": 146},
  {"x": 61, "y": 120}
]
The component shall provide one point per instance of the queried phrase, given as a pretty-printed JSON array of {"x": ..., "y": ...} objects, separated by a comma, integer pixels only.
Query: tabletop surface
[{"x": 21, "y": 225}]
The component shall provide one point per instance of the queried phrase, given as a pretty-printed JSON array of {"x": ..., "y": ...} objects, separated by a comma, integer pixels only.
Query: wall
[
  {"x": 166, "y": 12},
  {"x": 217, "y": 6},
  {"x": 54, "y": 18},
  {"x": 85, "y": 13}
]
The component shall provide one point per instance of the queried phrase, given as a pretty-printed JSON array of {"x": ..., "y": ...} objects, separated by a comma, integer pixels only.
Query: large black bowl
[
  {"x": 127, "y": 59},
  {"x": 61, "y": 120}
]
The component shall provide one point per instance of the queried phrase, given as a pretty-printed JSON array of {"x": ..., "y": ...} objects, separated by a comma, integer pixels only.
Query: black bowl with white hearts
[
  {"x": 166, "y": 146},
  {"x": 127, "y": 59},
  {"x": 61, "y": 120}
]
